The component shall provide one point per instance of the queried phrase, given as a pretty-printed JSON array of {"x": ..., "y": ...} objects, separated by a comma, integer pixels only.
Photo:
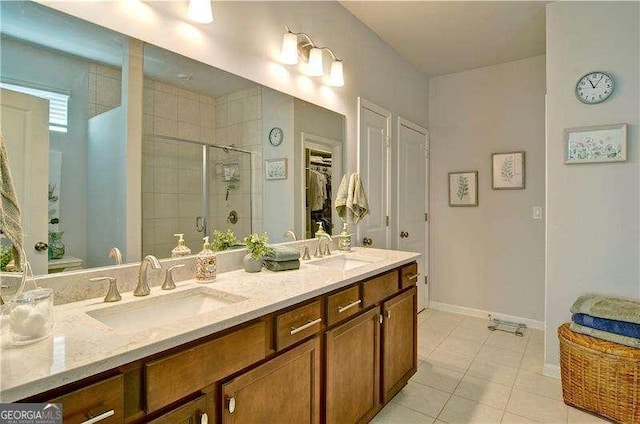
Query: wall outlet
[{"x": 537, "y": 212}]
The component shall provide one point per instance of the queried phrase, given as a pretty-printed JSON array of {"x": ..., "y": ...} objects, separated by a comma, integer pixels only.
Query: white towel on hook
[
  {"x": 341, "y": 198},
  {"x": 357, "y": 199}
]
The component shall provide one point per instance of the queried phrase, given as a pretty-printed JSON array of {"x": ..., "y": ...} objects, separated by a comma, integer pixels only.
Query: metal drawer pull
[
  {"x": 231, "y": 404},
  {"x": 413, "y": 277},
  {"x": 100, "y": 417},
  {"x": 341, "y": 309},
  {"x": 295, "y": 330},
  {"x": 204, "y": 419}
]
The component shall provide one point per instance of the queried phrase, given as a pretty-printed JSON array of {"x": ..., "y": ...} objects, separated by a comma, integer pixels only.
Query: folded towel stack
[
  {"x": 609, "y": 318},
  {"x": 282, "y": 258}
]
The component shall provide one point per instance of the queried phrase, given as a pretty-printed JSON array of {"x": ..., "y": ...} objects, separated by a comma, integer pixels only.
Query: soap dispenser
[
  {"x": 206, "y": 264},
  {"x": 181, "y": 249},
  {"x": 344, "y": 239},
  {"x": 320, "y": 231}
]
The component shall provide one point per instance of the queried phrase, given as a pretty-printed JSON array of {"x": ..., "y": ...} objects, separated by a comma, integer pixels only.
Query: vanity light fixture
[
  {"x": 309, "y": 51},
  {"x": 200, "y": 11}
]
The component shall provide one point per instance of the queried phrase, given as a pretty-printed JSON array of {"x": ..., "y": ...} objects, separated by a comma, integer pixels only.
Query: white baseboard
[
  {"x": 478, "y": 313},
  {"x": 551, "y": 370}
]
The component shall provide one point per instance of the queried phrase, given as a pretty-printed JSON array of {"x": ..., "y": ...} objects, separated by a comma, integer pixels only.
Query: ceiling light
[
  {"x": 336, "y": 75},
  {"x": 289, "y": 53},
  {"x": 200, "y": 11},
  {"x": 315, "y": 62}
]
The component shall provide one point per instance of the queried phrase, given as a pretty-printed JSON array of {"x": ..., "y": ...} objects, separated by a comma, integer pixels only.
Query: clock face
[
  {"x": 595, "y": 87},
  {"x": 275, "y": 136}
]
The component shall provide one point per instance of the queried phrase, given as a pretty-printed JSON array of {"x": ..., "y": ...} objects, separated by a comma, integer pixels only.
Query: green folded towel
[
  {"x": 281, "y": 266},
  {"x": 282, "y": 254},
  {"x": 608, "y": 307},
  {"x": 605, "y": 335}
]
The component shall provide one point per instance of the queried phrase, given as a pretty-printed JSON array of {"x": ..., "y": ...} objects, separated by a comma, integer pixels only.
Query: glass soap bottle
[
  {"x": 206, "y": 264},
  {"x": 181, "y": 249},
  {"x": 344, "y": 239}
]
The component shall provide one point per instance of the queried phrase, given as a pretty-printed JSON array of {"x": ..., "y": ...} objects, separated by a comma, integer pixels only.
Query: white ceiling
[
  {"x": 443, "y": 37},
  {"x": 39, "y": 25}
]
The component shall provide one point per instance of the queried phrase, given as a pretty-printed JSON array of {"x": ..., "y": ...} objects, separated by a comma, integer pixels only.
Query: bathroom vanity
[{"x": 329, "y": 343}]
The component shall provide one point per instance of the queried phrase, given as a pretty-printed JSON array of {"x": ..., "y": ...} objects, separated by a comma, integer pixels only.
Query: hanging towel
[
  {"x": 341, "y": 198},
  {"x": 608, "y": 307},
  {"x": 9, "y": 208},
  {"x": 357, "y": 200}
]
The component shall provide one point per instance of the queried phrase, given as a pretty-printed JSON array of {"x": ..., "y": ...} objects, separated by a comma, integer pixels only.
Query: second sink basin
[
  {"x": 162, "y": 310},
  {"x": 344, "y": 262}
]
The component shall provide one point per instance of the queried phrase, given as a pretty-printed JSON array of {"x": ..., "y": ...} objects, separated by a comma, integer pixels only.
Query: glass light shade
[
  {"x": 200, "y": 11},
  {"x": 336, "y": 75},
  {"x": 315, "y": 63},
  {"x": 289, "y": 53}
]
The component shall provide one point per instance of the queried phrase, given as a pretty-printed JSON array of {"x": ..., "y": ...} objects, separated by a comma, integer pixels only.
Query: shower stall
[{"x": 192, "y": 188}]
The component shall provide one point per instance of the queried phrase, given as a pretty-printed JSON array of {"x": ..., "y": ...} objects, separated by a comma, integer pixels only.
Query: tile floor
[{"x": 468, "y": 374}]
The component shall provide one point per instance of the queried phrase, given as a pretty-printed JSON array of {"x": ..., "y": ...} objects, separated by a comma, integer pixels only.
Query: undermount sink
[
  {"x": 162, "y": 310},
  {"x": 344, "y": 262}
]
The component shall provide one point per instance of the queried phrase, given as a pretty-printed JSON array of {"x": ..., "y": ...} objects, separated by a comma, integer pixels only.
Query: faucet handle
[
  {"x": 112, "y": 294},
  {"x": 318, "y": 252},
  {"x": 305, "y": 255},
  {"x": 327, "y": 251},
  {"x": 169, "y": 284}
]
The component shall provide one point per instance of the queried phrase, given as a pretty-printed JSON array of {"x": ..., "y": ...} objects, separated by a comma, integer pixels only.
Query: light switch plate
[{"x": 537, "y": 212}]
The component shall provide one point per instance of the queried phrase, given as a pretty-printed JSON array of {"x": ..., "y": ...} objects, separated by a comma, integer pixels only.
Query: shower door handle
[{"x": 201, "y": 224}]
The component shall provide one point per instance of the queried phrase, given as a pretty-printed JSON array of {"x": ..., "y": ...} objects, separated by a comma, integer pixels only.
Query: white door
[
  {"x": 25, "y": 126},
  {"x": 413, "y": 198},
  {"x": 373, "y": 154}
]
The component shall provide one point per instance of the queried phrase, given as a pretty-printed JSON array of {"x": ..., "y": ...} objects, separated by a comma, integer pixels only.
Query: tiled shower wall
[
  {"x": 105, "y": 89},
  {"x": 172, "y": 175}
]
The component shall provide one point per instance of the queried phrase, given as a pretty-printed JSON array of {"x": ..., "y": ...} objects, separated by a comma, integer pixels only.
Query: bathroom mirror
[{"x": 214, "y": 151}]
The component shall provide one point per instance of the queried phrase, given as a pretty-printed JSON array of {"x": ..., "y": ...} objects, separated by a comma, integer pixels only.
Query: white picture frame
[
  {"x": 275, "y": 169},
  {"x": 597, "y": 144},
  {"x": 508, "y": 171},
  {"x": 463, "y": 188}
]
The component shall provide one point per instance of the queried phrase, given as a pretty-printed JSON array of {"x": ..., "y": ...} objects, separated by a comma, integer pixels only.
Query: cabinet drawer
[
  {"x": 298, "y": 324},
  {"x": 105, "y": 398},
  {"x": 409, "y": 275},
  {"x": 191, "y": 413},
  {"x": 380, "y": 288},
  {"x": 343, "y": 304},
  {"x": 173, "y": 377}
]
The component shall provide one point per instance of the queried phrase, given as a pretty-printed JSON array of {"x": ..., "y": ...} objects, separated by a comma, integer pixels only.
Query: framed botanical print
[
  {"x": 275, "y": 169},
  {"x": 463, "y": 188},
  {"x": 606, "y": 143},
  {"x": 508, "y": 171}
]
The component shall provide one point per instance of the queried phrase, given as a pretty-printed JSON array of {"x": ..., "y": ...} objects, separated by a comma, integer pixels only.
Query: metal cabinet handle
[
  {"x": 404, "y": 234},
  {"x": 41, "y": 246},
  {"x": 100, "y": 417},
  {"x": 295, "y": 330},
  {"x": 413, "y": 277},
  {"x": 367, "y": 241},
  {"x": 231, "y": 404},
  {"x": 341, "y": 309},
  {"x": 204, "y": 418}
]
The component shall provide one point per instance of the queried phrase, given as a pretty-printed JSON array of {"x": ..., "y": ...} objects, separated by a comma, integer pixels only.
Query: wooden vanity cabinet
[
  {"x": 399, "y": 339},
  {"x": 352, "y": 370},
  {"x": 103, "y": 399},
  {"x": 285, "y": 389}
]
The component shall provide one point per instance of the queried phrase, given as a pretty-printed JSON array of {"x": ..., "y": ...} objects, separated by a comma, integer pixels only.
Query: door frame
[
  {"x": 364, "y": 103},
  {"x": 317, "y": 142},
  {"x": 402, "y": 122}
]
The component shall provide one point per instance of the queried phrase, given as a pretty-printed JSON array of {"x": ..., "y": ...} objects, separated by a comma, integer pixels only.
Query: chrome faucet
[
  {"x": 143, "y": 289},
  {"x": 291, "y": 234},
  {"x": 326, "y": 252},
  {"x": 116, "y": 255}
]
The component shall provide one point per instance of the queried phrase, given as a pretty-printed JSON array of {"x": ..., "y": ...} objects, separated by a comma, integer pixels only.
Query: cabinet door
[
  {"x": 194, "y": 412},
  {"x": 353, "y": 370},
  {"x": 399, "y": 342},
  {"x": 284, "y": 390}
]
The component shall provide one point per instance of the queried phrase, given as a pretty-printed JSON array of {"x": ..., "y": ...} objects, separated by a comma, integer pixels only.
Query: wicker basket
[{"x": 600, "y": 376}]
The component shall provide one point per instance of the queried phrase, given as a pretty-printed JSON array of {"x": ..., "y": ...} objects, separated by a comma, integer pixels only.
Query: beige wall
[
  {"x": 593, "y": 211},
  {"x": 489, "y": 257}
]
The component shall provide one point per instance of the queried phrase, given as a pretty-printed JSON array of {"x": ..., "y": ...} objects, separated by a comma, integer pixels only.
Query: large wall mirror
[{"x": 213, "y": 151}]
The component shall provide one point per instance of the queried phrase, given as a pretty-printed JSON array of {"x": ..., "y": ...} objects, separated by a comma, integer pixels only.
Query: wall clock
[
  {"x": 594, "y": 87},
  {"x": 275, "y": 136}
]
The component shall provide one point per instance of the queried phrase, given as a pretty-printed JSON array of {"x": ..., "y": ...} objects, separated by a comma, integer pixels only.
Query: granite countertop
[{"x": 81, "y": 346}]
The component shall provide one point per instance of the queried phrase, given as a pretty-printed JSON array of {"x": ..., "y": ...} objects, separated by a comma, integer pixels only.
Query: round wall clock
[
  {"x": 276, "y": 135},
  {"x": 594, "y": 87}
]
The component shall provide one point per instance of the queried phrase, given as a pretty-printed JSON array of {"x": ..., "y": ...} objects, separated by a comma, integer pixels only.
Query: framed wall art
[
  {"x": 463, "y": 188},
  {"x": 606, "y": 143},
  {"x": 507, "y": 171},
  {"x": 275, "y": 169}
]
